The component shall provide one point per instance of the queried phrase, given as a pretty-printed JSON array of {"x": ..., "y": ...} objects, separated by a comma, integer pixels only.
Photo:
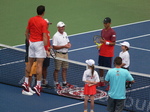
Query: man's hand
[
  {"x": 47, "y": 53},
  {"x": 68, "y": 45}
]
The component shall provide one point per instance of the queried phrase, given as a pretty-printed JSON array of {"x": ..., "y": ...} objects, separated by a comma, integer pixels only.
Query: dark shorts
[
  {"x": 115, "y": 105},
  {"x": 46, "y": 62},
  {"x": 105, "y": 61}
]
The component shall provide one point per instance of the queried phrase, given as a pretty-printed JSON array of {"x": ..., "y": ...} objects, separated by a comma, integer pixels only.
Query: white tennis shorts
[{"x": 37, "y": 50}]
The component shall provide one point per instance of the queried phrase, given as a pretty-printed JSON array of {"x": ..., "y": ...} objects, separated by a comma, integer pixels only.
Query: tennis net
[{"x": 12, "y": 67}]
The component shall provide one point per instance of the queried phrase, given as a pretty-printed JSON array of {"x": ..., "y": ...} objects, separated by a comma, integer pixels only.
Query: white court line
[
  {"x": 112, "y": 27},
  {"x": 63, "y": 107},
  {"x": 83, "y": 102},
  {"x": 12, "y": 62},
  {"x": 137, "y": 48},
  {"x": 100, "y": 29},
  {"x": 138, "y": 89},
  {"x": 117, "y": 44}
]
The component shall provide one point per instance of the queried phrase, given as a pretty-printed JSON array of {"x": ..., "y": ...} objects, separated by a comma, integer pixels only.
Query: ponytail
[{"x": 92, "y": 71}]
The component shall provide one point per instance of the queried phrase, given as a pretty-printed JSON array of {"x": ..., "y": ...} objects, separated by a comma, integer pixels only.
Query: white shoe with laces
[
  {"x": 27, "y": 93},
  {"x": 31, "y": 91}
]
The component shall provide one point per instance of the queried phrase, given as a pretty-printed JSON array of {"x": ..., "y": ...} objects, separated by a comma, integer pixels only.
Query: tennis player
[
  {"x": 117, "y": 78},
  {"x": 36, "y": 34},
  {"x": 61, "y": 44},
  {"x": 106, "y": 51},
  {"x": 91, "y": 78}
]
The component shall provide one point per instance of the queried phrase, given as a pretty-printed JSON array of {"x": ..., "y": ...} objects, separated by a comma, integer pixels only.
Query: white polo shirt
[
  {"x": 125, "y": 58},
  {"x": 60, "y": 40},
  {"x": 88, "y": 76}
]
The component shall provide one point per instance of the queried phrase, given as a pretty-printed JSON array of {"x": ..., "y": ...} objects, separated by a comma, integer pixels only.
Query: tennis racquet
[
  {"x": 52, "y": 53},
  {"x": 96, "y": 39}
]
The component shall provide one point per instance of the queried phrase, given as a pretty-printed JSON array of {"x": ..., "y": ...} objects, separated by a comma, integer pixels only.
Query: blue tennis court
[{"x": 137, "y": 34}]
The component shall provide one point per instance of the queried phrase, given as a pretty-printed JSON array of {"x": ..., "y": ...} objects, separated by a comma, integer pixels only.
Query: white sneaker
[
  {"x": 26, "y": 93},
  {"x": 31, "y": 91}
]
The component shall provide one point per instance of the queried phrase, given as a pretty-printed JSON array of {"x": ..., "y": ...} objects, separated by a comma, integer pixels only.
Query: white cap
[
  {"x": 125, "y": 44},
  {"x": 90, "y": 62},
  {"x": 60, "y": 24},
  {"x": 47, "y": 21}
]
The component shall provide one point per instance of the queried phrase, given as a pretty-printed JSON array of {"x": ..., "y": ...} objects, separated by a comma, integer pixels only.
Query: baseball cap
[
  {"x": 125, "y": 44},
  {"x": 90, "y": 62},
  {"x": 47, "y": 21},
  {"x": 60, "y": 24},
  {"x": 107, "y": 20}
]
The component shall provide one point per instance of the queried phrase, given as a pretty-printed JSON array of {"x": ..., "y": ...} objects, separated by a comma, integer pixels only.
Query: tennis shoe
[
  {"x": 31, "y": 91},
  {"x": 38, "y": 89},
  {"x": 68, "y": 85},
  {"x": 27, "y": 93},
  {"x": 25, "y": 86},
  {"x": 58, "y": 86}
]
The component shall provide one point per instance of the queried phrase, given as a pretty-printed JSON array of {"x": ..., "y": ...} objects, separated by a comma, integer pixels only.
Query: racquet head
[{"x": 96, "y": 39}]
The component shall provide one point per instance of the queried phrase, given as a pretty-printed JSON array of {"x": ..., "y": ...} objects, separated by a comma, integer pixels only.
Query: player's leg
[
  {"x": 86, "y": 102},
  {"x": 32, "y": 76},
  {"x": 40, "y": 55},
  {"x": 58, "y": 64},
  {"x": 65, "y": 66},
  {"x": 31, "y": 58},
  {"x": 108, "y": 62},
  {"x": 44, "y": 70},
  {"x": 64, "y": 74},
  {"x": 39, "y": 70},
  {"x": 111, "y": 105},
  {"x": 39, "y": 75},
  {"x": 92, "y": 103},
  {"x": 25, "y": 85},
  {"x": 119, "y": 105},
  {"x": 101, "y": 71}
]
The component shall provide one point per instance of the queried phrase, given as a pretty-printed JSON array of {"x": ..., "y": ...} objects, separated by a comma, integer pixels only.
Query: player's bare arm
[
  {"x": 68, "y": 45},
  {"x": 45, "y": 39}
]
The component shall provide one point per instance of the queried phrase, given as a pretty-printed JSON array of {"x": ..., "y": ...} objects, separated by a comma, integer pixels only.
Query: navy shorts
[
  {"x": 105, "y": 61},
  {"x": 46, "y": 62}
]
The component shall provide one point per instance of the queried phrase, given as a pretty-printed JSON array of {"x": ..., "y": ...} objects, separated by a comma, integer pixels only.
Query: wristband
[
  {"x": 107, "y": 43},
  {"x": 46, "y": 48}
]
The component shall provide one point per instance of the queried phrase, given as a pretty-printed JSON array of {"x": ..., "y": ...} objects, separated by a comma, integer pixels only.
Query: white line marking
[
  {"x": 138, "y": 89},
  {"x": 117, "y": 44},
  {"x": 83, "y": 102},
  {"x": 142, "y": 49},
  {"x": 12, "y": 63},
  {"x": 133, "y": 37},
  {"x": 63, "y": 107},
  {"x": 100, "y": 29},
  {"x": 112, "y": 27}
]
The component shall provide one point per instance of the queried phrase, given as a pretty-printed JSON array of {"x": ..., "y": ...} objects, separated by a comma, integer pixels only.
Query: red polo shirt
[
  {"x": 36, "y": 26},
  {"x": 110, "y": 36}
]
